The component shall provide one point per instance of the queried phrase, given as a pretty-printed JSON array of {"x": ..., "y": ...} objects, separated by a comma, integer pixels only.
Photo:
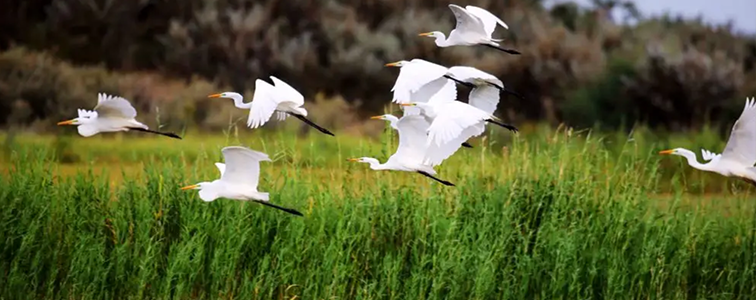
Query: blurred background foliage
[{"x": 578, "y": 66}]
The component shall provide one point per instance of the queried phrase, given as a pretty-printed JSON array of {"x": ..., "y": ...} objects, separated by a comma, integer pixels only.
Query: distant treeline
[{"x": 577, "y": 66}]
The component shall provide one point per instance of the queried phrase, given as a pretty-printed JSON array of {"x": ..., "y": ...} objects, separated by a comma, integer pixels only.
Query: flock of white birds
[{"x": 434, "y": 124}]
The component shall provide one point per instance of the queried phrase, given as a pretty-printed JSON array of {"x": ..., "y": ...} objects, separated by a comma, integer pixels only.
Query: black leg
[
  {"x": 507, "y": 126},
  {"x": 467, "y": 84},
  {"x": 288, "y": 210},
  {"x": 308, "y": 122},
  {"x": 436, "y": 179},
  {"x": 510, "y": 51},
  {"x": 168, "y": 134},
  {"x": 466, "y": 145}
]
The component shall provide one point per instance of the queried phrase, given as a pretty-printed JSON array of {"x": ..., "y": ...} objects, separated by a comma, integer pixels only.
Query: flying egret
[
  {"x": 739, "y": 154},
  {"x": 393, "y": 121},
  {"x": 419, "y": 80},
  {"x": 280, "y": 98},
  {"x": 474, "y": 27},
  {"x": 239, "y": 177},
  {"x": 111, "y": 114},
  {"x": 454, "y": 120},
  {"x": 411, "y": 155}
]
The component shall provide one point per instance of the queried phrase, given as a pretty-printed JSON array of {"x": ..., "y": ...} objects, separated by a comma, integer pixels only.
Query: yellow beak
[
  {"x": 393, "y": 64},
  {"x": 666, "y": 152},
  {"x": 69, "y": 122},
  {"x": 376, "y": 118},
  {"x": 408, "y": 104},
  {"x": 189, "y": 187},
  {"x": 425, "y": 34},
  {"x": 214, "y": 96},
  {"x": 353, "y": 159}
]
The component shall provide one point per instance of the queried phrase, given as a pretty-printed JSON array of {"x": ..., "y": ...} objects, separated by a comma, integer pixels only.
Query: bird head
[
  {"x": 676, "y": 151},
  {"x": 433, "y": 34},
  {"x": 381, "y": 117},
  {"x": 360, "y": 159},
  {"x": 224, "y": 95},
  {"x": 408, "y": 104},
  {"x": 397, "y": 64},
  {"x": 74, "y": 121},
  {"x": 205, "y": 192}
]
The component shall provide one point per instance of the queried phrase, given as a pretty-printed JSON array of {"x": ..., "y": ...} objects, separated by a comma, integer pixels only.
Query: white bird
[
  {"x": 434, "y": 154},
  {"x": 111, "y": 114},
  {"x": 474, "y": 27},
  {"x": 412, "y": 153},
  {"x": 739, "y": 154},
  {"x": 419, "y": 81},
  {"x": 280, "y": 98},
  {"x": 454, "y": 122},
  {"x": 239, "y": 177}
]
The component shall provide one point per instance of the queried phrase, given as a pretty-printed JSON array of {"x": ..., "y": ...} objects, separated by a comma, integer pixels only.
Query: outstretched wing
[
  {"x": 413, "y": 76},
  {"x": 485, "y": 97},
  {"x": 741, "y": 146},
  {"x": 448, "y": 93},
  {"x": 263, "y": 104},
  {"x": 114, "y": 107},
  {"x": 466, "y": 22},
  {"x": 221, "y": 167},
  {"x": 451, "y": 120},
  {"x": 242, "y": 165},
  {"x": 287, "y": 93},
  {"x": 436, "y": 154},
  {"x": 411, "y": 138},
  {"x": 708, "y": 155},
  {"x": 488, "y": 19}
]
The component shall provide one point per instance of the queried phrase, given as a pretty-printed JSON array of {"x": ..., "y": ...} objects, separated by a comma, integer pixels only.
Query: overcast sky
[{"x": 741, "y": 12}]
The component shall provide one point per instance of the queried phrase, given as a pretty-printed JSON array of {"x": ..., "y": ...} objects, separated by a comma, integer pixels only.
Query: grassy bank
[{"x": 540, "y": 216}]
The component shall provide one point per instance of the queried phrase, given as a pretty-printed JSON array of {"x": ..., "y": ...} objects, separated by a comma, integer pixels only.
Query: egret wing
[
  {"x": 741, "y": 146},
  {"x": 413, "y": 76},
  {"x": 488, "y": 19},
  {"x": 448, "y": 93},
  {"x": 466, "y": 22},
  {"x": 411, "y": 138},
  {"x": 287, "y": 93},
  {"x": 221, "y": 167},
  {"x": 485, "y": 97},
  {"x": 114, "y": 107},
  {"x": 436, "y": 154},
  {"x": 708, "y": 155},
  {"x": 451, "y": 120},
  {"x": 242, "y": 165},
  {"x": 264, "y": 103},
  {"x": 472, "y": 75}
]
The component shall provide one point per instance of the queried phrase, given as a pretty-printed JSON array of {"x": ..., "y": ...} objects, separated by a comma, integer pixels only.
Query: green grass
[{"x": 544, "y": 215}]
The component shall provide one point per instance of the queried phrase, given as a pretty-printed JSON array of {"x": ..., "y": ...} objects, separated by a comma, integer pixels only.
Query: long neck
[
  {"x": 239, "y": 102},
  {"x": 693, "y": 162},
  {"x": 441, "y": 40},
  {"x": 375, "y": 164},
  {"x": 392, "y": 121}
]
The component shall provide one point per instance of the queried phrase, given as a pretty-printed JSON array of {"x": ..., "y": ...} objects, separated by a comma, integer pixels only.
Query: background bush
[{"x": 578, "y": 66}]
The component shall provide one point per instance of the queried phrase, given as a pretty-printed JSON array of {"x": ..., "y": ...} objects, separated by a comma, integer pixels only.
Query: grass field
[{"x": 546, "y": 214}]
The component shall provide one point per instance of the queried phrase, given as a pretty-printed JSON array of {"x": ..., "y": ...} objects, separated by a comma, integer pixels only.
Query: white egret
[
  {"x": 419, "y": 81},
  {"x": 280, "y": 98},
  {"x": 239, "y": 177},
  {"x": 393, "y": 120},
  {"x": 111, "y": 114},
  {"x": 411, "y": 154},
  {"x": 455, "y": 120},
  {"x": 474, "y": 27},
  {"x": 739, "y": 154}
]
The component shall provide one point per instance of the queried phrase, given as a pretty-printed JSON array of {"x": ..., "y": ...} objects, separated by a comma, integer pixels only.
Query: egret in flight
[
  {"x": 474, "y": 27},
  {"x": 280, "y": 98},
  {"x": 739, "y": 154},
  {"x": 420, "y": 80},
  {"x": 238, "y": 179},
  {"x": 412, "y": 153},
  {"x": 111, "y": 114}
]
